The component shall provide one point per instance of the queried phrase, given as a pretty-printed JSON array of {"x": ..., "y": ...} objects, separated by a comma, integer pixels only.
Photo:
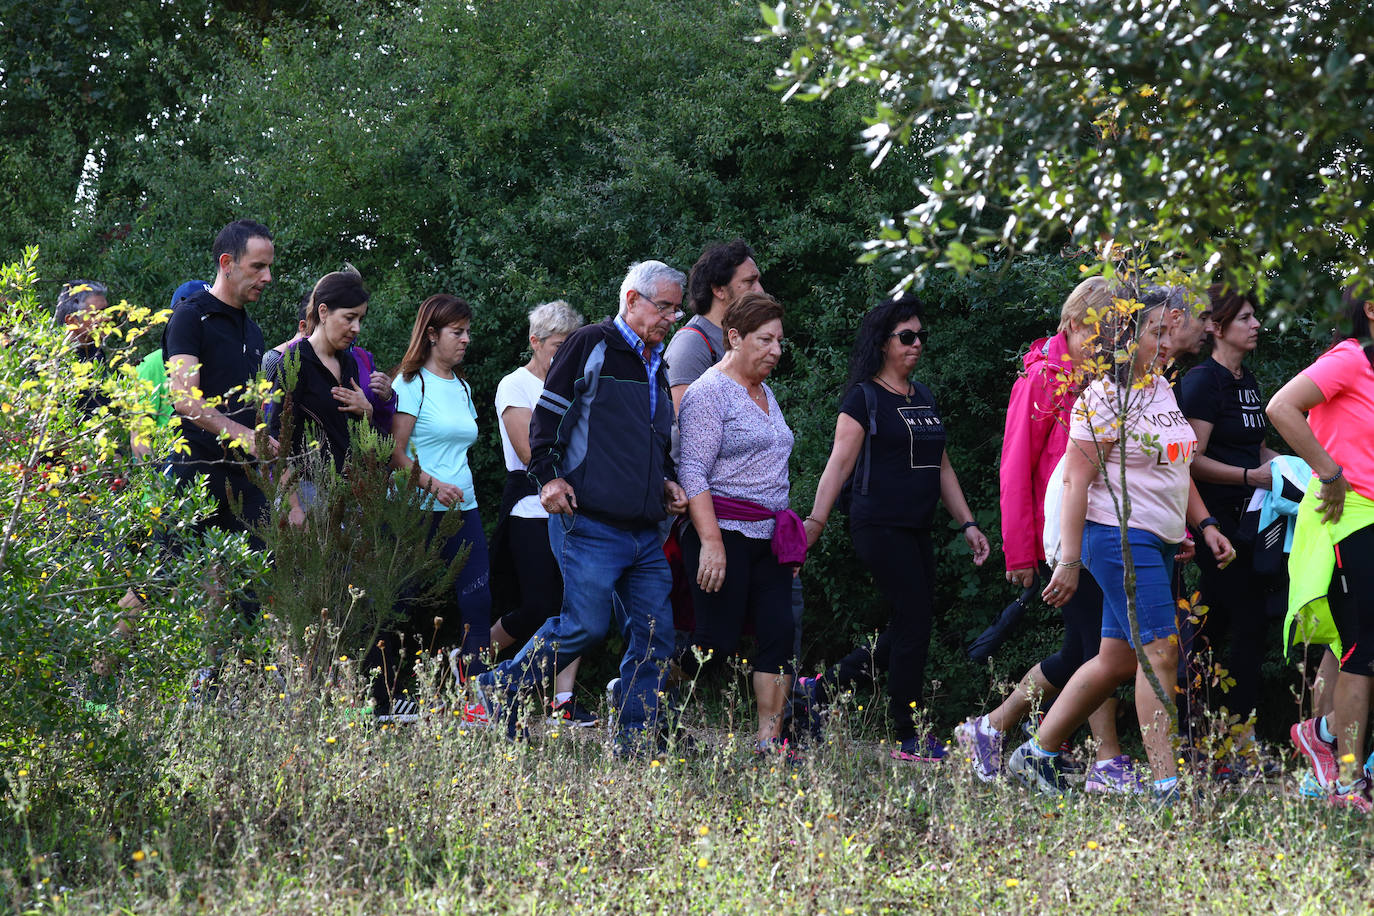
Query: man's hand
[
  {"x": 557, "y": 497},
  {"x": 380, "y": 383},
  {"x": 674, "y": 498}
]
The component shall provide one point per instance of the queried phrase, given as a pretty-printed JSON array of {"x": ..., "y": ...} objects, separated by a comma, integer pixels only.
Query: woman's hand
[
  {"x": 1331, "y": 499},
  {"x": 296, "y": 516},
  {"x": 380, "y": 383},
  {"x": 813, "y": 531},
  {"x": 448, "y": 494},
  {"x": 1221, "y": 548},
  {"x": 352, "y": 400},
  {"x": 1021, "y": 578},
  {"x": 711, "y": 566},
  {"x": 1062, "y": 585},
  {"x": 1260, "y": 477},
  {"x": 1186, "y": 550},
  {"x": 978, "y": 543}
]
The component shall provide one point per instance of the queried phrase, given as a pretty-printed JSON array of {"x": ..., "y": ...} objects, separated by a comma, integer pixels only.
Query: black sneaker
[
  {"x": 573, "y": 714},
  {"x": 1041, "y": 774},
  {"x": 402, "y": 712}
]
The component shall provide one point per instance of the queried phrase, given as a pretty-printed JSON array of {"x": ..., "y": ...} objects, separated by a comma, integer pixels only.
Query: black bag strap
[{"x": 871, "y": 403}]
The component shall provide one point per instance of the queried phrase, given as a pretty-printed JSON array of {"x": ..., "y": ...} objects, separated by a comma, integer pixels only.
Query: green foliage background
[{"x": 514, "y": 152}]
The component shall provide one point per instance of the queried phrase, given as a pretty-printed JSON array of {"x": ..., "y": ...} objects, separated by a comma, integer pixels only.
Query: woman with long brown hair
[{"x": 435, "y": 425}]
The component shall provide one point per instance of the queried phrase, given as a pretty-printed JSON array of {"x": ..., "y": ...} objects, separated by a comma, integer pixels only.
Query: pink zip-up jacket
[{"x": 1037, "y": 432}]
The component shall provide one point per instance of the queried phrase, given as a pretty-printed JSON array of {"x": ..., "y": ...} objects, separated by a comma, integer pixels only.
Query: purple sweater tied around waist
[{"x": 789, "y": 537}]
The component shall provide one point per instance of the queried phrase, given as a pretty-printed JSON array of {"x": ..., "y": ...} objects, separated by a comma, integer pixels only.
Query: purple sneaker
[
  {"x": 1117, "y": 775},
  {"x": 983, "y": 750}
]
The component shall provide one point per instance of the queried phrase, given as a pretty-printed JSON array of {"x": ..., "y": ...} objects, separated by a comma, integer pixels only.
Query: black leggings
[
  {"x": 757, "y": 587},
  {"x": 1352, "y": 601},
  {"x": 541, "y": 584},
  {"x": 1236, "y": 598},
  {"x": 902, "y": 561},
  {"x": 1082, "y": 632}
]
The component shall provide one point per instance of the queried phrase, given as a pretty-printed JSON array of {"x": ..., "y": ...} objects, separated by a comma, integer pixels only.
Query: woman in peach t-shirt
[{"x": 1158, "y": 445}]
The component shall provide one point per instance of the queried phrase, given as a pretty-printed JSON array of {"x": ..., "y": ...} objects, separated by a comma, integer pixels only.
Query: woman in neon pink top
[
  {"x": 1127, "y": 417},
  {"x": 1337, "y": 439}
]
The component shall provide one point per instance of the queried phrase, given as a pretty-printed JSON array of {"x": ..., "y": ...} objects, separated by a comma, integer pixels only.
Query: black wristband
[
  {"x": 1209, "y": 520},
  {"x": 1245, "y": 477},
  {"x": 967, "y": 525},
  {"x": 1340, "y": 472}
]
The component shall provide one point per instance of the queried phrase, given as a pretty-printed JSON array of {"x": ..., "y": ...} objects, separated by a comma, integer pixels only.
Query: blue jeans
[{"x": 600, "y": 564}]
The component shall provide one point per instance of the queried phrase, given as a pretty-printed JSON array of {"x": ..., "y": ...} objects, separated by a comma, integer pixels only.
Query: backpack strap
[
  {"x": 709, "y": 349},
  {"x": 871, "y": 403}
]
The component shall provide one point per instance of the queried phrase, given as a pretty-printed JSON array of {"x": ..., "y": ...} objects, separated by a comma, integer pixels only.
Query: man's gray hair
[
  {"x": 74, "y": 297},
  {"x": 1174, "y": 297},
  {"x": 556, "y": 317},
  {"x": 645, "y": 277}
]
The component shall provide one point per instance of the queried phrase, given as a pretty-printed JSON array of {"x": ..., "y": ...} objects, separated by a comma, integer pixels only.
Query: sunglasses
[{"x": 909, "y": 337}]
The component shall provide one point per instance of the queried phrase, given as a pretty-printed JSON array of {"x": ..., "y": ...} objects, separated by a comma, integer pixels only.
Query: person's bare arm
[
  {"x": 849, "y": 441},
  {"x": 677, "y": 392},
  {"x": 183, "y": 382},
  {"x": 952, "y": 495},
  {"x": 401, "y": 428},
  {"x": 516, "y": 420},
  {"x": 1210, "y": 470},
  {"x": 1287, "y": 410}
]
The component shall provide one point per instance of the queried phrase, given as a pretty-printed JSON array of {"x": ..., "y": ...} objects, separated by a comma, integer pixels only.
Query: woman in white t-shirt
[
  {"x": 1129, "y": 407},
  {"x": 526, "y": 583},
  {"x": 435, "y": 425}
]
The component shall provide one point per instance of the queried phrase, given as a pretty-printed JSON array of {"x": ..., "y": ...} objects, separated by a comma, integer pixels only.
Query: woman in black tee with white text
[
  {"x": 891, "y": 439},
  {"x": 1222, "y": 400}
]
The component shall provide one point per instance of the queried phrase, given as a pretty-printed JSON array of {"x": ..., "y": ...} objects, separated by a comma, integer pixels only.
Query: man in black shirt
[{"x": 214, "y": 351}]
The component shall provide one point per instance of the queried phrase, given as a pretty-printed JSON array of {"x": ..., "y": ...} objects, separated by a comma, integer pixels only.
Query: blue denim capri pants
[{"x": 1154, "y": 591}]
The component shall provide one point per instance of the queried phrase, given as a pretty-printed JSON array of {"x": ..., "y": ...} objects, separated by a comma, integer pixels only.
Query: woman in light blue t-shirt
[{"x": 435, "y": 425}]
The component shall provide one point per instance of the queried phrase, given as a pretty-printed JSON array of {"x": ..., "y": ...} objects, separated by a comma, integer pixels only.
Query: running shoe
[
  {"x": 1308, "y": 787},
  {"x": 1116, "y": 776},
  {"x": 779, "y": 748},
  {"x": 573, "y": 714},
  {"x": 403, "y": 711},
  {"x": 920, "y": 750},
  {"x": 808, "y": 691},
  {"x": 1068, "y": 764},
  {"x": 982, "y": 744},
  {"x": 1040, "y": 774},
  {"x": 1322, "y": 754},
  {"x": 1356, "y": 796}
]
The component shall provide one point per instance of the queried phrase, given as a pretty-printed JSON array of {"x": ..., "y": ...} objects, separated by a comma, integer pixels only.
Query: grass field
[{"x": 300, "y": 806}]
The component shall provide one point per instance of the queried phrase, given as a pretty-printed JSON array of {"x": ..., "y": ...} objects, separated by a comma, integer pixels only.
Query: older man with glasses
[{"x": 599, "y": 452}]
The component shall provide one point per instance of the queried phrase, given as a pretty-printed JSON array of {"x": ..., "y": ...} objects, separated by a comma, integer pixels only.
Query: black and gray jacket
[{"x": 592, "y": 428}]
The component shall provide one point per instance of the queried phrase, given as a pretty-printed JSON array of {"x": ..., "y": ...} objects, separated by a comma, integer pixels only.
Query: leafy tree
[{"x": 1234, "y": 137}]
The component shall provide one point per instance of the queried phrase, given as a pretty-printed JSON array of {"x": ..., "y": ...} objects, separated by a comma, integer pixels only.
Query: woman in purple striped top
[{"x": 744, "y": 543}]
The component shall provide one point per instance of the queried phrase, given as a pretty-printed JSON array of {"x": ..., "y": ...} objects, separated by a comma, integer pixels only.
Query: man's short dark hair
[
  {"x": 233, "y": 238},
  {"x": 715, "y": 267}
]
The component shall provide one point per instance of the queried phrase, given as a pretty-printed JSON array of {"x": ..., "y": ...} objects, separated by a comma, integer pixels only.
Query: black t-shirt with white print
[
  {"x": 1235, "y": 408},
  {"x": 904, "y": 470}
]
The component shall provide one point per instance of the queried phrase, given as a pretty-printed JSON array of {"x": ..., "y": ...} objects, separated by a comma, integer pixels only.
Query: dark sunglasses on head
[{"x": 909, "y": 337}]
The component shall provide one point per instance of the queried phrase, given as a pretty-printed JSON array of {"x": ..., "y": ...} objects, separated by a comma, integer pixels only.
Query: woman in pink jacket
[{"x": 1037, "y": 432}]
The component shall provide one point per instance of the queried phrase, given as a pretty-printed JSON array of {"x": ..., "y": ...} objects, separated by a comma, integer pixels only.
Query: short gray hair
[
  {"x": 74, "y": 297},
  {"x": 645, "y": 277},
  {"x": 556, "y": 317}
]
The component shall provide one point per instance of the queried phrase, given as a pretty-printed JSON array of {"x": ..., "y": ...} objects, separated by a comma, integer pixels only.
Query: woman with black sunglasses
[{"x": 889, "y": 454}]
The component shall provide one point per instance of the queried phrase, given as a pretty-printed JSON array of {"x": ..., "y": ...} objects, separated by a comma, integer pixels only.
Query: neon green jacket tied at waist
[{"x": 1311, "y": 564}]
